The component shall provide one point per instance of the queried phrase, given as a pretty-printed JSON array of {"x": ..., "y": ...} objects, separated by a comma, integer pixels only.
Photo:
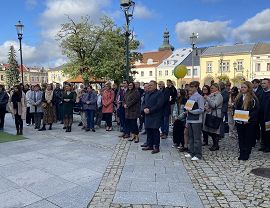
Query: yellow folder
[
  {"x": 241, "y": 115},
  {"x": 267, "y": 126},
  {"x": 189, "y": 104}
]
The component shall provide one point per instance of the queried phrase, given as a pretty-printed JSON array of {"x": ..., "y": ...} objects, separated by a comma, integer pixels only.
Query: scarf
[{"x": 48, "y": 96}]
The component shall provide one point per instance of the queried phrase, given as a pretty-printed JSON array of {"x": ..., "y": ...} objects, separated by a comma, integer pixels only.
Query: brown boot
[{"x": 136, "y": 139}]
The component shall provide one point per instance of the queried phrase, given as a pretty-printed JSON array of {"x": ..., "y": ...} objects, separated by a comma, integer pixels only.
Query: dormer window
[{"x": 150, "y": 61}]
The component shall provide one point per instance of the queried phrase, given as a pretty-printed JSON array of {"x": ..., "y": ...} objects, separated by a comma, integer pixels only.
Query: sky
[{"x": 218, "y": 22}]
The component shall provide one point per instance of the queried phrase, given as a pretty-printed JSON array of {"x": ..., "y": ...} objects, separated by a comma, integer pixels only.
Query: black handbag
[{"x": 212, "y": 121}]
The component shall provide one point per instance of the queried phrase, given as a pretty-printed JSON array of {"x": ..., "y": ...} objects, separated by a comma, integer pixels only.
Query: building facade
[
  {"x": 56, "y": 75},
  {"x": 260, "y": 67},
  {"x": 166, "y": 69},
  {"x": 31, "y": 75},
  {"x": 233, "y": 62},
  {"x": 146, "y": 69},
  {"x": 237, "y": 62}
]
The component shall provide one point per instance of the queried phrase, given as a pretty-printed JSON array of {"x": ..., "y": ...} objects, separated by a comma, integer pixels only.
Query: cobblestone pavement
[{"x": 223, "y": 181}]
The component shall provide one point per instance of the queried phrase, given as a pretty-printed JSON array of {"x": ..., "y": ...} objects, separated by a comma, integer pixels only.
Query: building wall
[
  {"x": 144, "y": 75},
  {"x": 260, "y": 66},
  {"x": 57, "y": 76},
  {"x": 241, "y": 59},
  {"x": 165, "y": 73}
]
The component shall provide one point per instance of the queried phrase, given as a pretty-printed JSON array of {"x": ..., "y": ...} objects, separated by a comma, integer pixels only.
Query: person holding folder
[
  {"x": 195, "y": 109},
  {"x": 246, "y": 117}
]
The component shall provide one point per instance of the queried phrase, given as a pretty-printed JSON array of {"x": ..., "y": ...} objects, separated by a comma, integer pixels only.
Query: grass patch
[{"x": 6, "y": 137}]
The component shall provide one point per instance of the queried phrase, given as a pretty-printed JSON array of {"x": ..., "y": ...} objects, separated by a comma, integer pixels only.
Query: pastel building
[
  {"x": 166, "y": 69},
  {"x": 56, "y": 75}
]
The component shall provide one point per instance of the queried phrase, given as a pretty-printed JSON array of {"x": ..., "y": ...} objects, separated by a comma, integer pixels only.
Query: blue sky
[{"x": 216, "y": 21}]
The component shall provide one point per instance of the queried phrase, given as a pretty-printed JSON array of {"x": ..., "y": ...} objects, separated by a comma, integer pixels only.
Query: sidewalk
[{"x": 53, "y": 168}]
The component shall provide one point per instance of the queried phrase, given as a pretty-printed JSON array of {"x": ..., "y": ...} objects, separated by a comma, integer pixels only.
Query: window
[
  {"x": 172, "y": 72},
  {"x": 258, "y": 67},
  {"x": 209, "y": 67},
  {"x": 2, "y": 77},
  {"x": 159, "y": 73},
  {"x": 258, "y": 57},
  {"x": 268, "y": 67},
  {"x": 32, "y": 79},
  {"x": 224, "y": 66},
  {"x": 142, "y": 73},
  {"x": 240, "y": 65},
  {"x": 189, "y": 72},
  {"x": 150, "y": 73},
  {"x": 195, "y": 72},
  {"x": 166, "y": 73}
]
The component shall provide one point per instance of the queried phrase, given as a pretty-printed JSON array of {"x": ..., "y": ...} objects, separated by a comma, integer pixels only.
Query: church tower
[{"x": 166, "y": 42}]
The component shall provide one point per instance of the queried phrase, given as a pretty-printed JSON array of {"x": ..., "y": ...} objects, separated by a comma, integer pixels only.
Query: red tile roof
[
  {"x": 5, "y": 66},
  {"x": 156, "y": 56}
]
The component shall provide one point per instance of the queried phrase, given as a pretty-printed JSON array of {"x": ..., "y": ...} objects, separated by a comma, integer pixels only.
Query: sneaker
[
  {"x": 187, "y": 155},
  {"x": 195, "y": 158},
  {"x": 27, "y": 124}
]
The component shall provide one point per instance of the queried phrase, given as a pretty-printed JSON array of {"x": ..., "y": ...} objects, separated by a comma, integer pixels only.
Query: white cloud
[
  {"x": 29, "y": 52},
  {"x": 142, "y": 12},
  {"x": 217, "y": 31},
  {"x": 254, "y": 29}
]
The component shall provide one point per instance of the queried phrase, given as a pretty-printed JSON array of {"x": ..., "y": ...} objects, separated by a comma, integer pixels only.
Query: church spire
[{"x": 166, "y": 42}]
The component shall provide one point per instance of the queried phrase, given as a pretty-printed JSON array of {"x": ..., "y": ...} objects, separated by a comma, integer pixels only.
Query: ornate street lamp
[
  {"x": 128, "y": 8},
  {"x": 193, "y": 38},
  {"x": 19, "y": 27}
]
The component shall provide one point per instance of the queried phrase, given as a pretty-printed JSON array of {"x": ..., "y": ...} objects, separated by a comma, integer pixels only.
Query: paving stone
[
  {"x": 29, "y": 177},
  {"x": 76, "y": 197},
  {"x": 42, "y": 204},
  {"x": 135, "y": 197},
  {"x": 153, "y": 187},
  {"x": 174, "y": 199},
  {"x": 50, "y": 187},
  {"x": 17, "y": 198},
  {"x": 7, "y": 185}
]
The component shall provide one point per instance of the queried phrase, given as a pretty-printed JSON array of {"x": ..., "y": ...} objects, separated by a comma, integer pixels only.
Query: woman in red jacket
[{"x": 107, "y": 105}]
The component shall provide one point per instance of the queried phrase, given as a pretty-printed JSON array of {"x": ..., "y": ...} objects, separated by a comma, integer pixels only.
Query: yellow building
[
  {"x": 236, "y": 62},
  {"x": 232, "y": 61},
  {"x": 56, "y": 75}
]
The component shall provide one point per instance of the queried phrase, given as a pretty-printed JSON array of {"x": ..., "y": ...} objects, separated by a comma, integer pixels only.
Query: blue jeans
[
  {"x": 165, "y": 125},
  {"x": 90, "y": 118}
]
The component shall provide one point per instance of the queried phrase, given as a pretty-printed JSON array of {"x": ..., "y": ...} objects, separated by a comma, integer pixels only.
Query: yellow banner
[{"x": 240, "y": 115}]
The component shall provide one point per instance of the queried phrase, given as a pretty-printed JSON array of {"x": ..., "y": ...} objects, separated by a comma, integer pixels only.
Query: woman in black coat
[
  {"x": 246, "y": 101},
  {"x": 132, "y": 102}
]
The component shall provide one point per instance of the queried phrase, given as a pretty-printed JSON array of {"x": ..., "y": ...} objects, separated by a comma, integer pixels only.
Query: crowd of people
[{"x": 195, "y": 114}]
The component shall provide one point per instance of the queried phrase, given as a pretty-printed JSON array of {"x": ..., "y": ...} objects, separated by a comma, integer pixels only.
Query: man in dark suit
[
  {"x": 258, "y": 90},
  {"x": 166, "y": 110},
  {"x": 152, "y": 107},
  {"x": 264, "y": 115}
]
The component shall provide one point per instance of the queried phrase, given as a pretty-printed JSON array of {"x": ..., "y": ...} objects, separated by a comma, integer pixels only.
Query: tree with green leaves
[
  {"x": 12, "y": 72},
  {"x": 95, "y": 50}
]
